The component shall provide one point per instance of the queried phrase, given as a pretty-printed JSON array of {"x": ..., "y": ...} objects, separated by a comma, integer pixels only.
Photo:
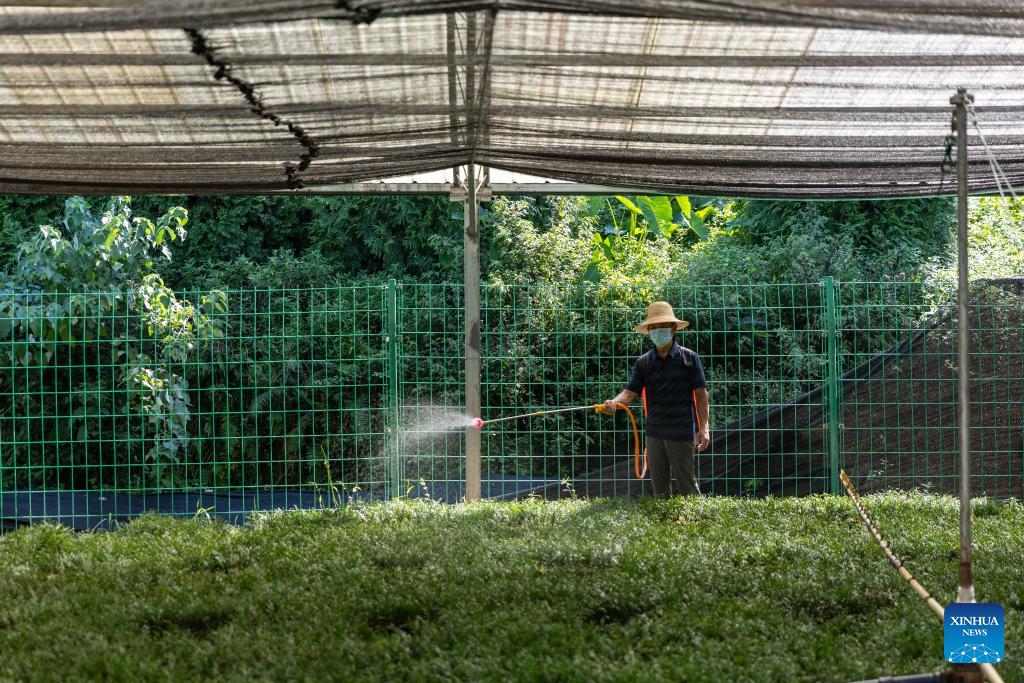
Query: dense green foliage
[
  {"x": 995, "y": 240},
  {"x": 684, "y": 589},
  {"x": 88, "y": 285},
  {"x": 232, "y": 238},
  {"x": 850, "y": 240}
]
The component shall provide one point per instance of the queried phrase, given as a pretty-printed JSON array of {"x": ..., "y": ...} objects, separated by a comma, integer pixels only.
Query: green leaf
[
  {"x": 628, "y": 204},
  {"x": 684, "y": 204},
  {"x": 662, "y": 209},
  {"x": 697, "y": 225},
  {"x": 592, "y": 273},
  {"x": 595, "y": 204},
  {"x": 648, "y": 210},
  {"x": 111, "y": 236},
  {"x": 607, "y": 249}
]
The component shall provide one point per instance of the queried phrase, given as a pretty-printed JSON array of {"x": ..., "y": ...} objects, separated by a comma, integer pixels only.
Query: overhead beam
[
  {"x": 593, "y": 60},
  {"x": 883, "y": 114},
  {"x": 536, "y": 189},
  {"x": 456, "y": 192}
]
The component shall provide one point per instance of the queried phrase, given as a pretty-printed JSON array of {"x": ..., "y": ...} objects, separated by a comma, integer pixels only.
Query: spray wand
[{"x": 478, "y": 423}]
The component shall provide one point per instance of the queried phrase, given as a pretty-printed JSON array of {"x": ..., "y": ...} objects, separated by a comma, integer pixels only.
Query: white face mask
[{"x": 661, "y": 337}]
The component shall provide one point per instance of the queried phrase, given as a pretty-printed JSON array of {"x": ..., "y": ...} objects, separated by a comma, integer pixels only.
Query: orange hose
[
  {"x": 636, "y": 445},
  {"x": 640, "y": 474},
  {"x": 643, "y": 399}
]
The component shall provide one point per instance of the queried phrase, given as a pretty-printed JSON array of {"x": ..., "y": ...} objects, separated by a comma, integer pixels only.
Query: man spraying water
[{"x": 677, "y": 401}]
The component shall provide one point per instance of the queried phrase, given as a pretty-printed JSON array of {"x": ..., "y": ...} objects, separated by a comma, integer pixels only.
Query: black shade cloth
[{"x": 804, "y": 98}]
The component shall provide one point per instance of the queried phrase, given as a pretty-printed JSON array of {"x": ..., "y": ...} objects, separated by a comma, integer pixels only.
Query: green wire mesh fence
[
  {"x": 98, "y": 419},
  {"x": 898, "y": 417},
  {"x": 548, "y": 348},
  {"x": 313, "y": 397}
]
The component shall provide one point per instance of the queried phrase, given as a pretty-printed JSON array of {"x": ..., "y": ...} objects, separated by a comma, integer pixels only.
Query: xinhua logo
[{"x": 973, "y": 632}]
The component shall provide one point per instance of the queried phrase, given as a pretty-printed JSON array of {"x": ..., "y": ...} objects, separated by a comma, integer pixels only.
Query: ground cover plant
[{"x": 705, "y": 588}]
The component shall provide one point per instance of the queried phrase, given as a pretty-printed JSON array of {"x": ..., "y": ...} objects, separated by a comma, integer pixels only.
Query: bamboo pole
[
  {"x": 471, "y": 294},
  {"x": 960, "y": 102}
]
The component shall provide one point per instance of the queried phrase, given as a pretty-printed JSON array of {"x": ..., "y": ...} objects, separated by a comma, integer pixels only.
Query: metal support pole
[
  {"x": 471, "y": 282},
  {"x": 395, "y": 470},
  {"x": 833, "y": 385},
  {"x": 960, "y": 102}
]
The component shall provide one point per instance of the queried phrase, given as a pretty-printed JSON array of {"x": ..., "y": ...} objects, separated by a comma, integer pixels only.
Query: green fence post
[
  {"x": 392, "y": 387},
  {"x": 831, "y": 319}
]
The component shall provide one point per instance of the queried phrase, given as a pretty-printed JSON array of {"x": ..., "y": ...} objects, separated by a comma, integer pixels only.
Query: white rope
[{"x": 997, "y": 170}]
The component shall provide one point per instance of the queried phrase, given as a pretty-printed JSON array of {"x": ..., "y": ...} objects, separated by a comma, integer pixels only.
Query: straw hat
[{"x": 660, "y": 312}]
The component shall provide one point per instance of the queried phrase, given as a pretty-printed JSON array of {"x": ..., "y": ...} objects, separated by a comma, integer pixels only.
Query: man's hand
[
  {"x": 703, "y": 439},
  {"x": 624, "y": 398}
]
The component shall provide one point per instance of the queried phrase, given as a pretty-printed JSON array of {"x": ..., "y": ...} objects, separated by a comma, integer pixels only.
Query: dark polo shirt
[{"x": 670, "y": 383}]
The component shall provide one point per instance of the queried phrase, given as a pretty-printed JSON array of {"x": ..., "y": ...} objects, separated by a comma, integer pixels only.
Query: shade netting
[{"x": 808, "y": 98}]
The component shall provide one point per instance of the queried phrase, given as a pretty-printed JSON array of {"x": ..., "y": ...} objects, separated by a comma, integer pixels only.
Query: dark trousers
[{"x": 661, "y": 454}]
